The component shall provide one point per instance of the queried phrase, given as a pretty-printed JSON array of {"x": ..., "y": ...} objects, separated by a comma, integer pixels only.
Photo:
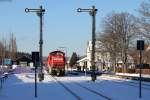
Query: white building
[{"x": 101, "y": 58}]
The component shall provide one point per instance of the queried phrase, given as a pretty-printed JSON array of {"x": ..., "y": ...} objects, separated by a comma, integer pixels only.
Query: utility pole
[
  {"x": 92, "y": 12},
  {"x": 40, "y": 13}
]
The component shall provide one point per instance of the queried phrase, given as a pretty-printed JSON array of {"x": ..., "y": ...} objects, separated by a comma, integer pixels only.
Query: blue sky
[{"x": 63, "y": 25}]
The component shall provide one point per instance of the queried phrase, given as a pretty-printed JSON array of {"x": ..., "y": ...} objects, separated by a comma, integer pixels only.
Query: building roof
[
  {"x": 24, "y": 58},
  {"x": 83, "y": 59}
]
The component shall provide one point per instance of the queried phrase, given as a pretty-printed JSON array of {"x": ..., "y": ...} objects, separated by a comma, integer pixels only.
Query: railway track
[
  {"x": 129, "y": 83},
  {"x": 83, "y": 87},
  {"x": 67, "y": 89},
  {"x": 93, "y": 91}
]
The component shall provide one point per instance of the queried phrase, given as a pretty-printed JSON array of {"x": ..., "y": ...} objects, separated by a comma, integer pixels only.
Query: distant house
[
  {"x": 102, "y": 59},
  {"x": 23, "y": 60},
  {"x": 82, "y": 63},
  {"x": 130, "y": 62},
  {"x": 147, "y": 54}
]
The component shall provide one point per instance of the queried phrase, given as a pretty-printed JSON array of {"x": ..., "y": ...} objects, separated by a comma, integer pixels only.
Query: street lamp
[
  {"x": 92, "y": 12},
  {"x": 40, "y": 13}
]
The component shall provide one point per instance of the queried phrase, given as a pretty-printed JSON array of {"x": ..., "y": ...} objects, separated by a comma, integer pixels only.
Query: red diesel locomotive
[{"x": 56, "y": 63}]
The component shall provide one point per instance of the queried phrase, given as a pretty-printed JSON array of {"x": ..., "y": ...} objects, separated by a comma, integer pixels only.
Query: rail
[
  {"x": 85, "y": 88},
  {"x": 66, "y": 88},
  {"x": 93, "y": 91}
]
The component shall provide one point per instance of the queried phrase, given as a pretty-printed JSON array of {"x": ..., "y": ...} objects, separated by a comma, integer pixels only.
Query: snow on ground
[
  {"x": 112, "y": 89},
  {"x": 21, "y": 87},
  {"x": 136, "y": 75},
  {"x": 123, "y": 79}
]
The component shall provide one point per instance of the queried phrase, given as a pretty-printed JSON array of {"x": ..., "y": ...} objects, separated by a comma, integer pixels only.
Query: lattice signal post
[{"x": 92, "y": 12}]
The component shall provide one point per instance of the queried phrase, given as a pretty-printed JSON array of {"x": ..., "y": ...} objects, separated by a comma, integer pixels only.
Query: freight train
[{"x": 56, "y": 63}]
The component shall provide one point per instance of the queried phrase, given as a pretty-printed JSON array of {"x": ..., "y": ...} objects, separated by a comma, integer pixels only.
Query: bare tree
[
  {"x": 8, "y": 49},
  {"x": 144, "y": 10},
  {"x": 1, "y": 52},
  {"x": 118, "y": 29},
  {"x": 12, "y": 46}
]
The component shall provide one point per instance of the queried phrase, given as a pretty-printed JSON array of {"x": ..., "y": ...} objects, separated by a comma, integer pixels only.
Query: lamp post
[
  {"x": 40, "y": 13},
  {"x": 92, "y": 12}
]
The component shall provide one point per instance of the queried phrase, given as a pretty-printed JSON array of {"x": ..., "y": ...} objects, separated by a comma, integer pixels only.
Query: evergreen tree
[{"x": 73, "y": 59}]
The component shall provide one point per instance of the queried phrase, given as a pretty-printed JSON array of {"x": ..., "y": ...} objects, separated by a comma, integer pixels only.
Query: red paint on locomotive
[{"x": 56, "y": 62}]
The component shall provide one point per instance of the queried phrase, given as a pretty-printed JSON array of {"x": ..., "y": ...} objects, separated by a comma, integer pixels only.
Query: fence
[{"x": 3, "y": 78}]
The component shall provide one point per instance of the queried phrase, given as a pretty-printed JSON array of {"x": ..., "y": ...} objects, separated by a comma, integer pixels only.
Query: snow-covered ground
[
  {"x": 21, "y": 87},
  {"x": 136, "y": 75}
]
